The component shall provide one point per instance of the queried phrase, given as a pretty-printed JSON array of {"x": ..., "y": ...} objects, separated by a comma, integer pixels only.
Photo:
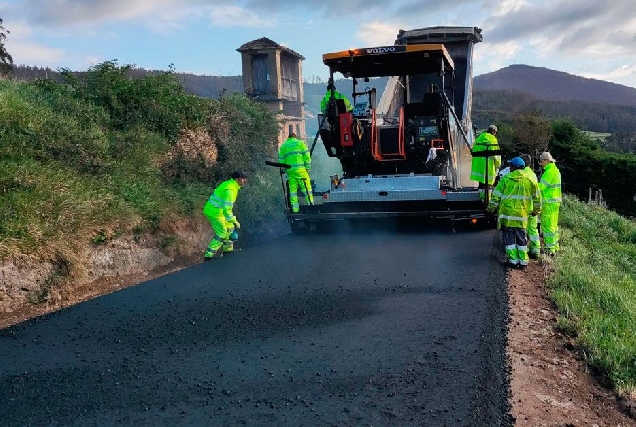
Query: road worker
[
  {"x": 550, "y": 186},
  {"x": 534, "y": 244},
  {"x": 515, "y": 198},
  {"x": 294, "y": 152},
  {"x": 219, "y": 211},
  {"x": 331, "y": 89},
  {"x": 486, "y": 141}
]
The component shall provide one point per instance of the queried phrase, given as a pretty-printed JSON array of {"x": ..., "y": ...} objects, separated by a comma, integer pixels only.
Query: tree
[
  {"x": 532, "y": 132},
  {"x": 6, "y": 61}
]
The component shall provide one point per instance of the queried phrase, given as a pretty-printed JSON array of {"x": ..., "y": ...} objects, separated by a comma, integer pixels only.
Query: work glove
[{"x": 237, "y": 225}]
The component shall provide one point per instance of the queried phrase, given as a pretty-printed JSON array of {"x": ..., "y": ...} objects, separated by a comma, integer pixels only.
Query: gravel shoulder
[{"x": 550, "y": 383}]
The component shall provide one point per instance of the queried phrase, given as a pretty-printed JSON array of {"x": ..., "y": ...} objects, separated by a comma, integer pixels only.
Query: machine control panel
[{"x": 361, "y": 109}]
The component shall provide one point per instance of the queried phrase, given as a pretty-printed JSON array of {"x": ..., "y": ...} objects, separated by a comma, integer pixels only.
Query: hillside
[
  {"x": 592, "y": 105},
  {"x": 551, "y": 85},
  {"x": 502, "y": 105}
]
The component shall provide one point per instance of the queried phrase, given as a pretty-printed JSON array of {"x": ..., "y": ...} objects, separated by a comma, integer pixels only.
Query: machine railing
[{"x": 376, "y": 151}]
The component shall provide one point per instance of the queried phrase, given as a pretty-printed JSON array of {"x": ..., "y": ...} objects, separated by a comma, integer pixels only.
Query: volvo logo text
[{"x": 381, "y": 49}]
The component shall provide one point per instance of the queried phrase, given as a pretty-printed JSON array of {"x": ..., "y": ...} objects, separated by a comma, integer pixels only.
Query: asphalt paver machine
[{"x": 408, "y": 153}]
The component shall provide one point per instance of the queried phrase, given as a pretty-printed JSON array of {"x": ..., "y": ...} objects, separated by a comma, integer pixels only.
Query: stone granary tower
[{"x": 273, "y": 74}]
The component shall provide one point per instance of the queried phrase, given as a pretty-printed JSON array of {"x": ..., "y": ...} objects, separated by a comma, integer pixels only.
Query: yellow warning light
[{"x": 473, "y": 220}]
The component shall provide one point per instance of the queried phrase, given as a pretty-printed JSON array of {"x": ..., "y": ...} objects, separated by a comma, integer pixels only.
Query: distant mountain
[
  {"x": 551, "y": 85},
  {"x": 591, "y": 104},
  {"x": 502, "y": 105}
]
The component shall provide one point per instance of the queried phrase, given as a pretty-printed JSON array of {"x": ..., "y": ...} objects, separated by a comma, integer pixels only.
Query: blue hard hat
[
  {"x": 234, "y": 235},
  {"x": 518, "y": 162}
]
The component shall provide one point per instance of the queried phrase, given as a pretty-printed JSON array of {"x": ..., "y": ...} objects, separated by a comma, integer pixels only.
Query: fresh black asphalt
[{"x": 374, "y": 326}]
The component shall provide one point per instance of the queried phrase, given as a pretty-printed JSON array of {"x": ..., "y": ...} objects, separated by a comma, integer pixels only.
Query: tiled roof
[{"x": 265, "y": 43}]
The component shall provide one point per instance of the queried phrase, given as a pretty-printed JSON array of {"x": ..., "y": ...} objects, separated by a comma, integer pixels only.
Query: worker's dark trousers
[{"x": 515, "y": 242}]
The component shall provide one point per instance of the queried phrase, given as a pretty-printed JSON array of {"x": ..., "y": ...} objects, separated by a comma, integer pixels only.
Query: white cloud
[
  {"x": 79, "y": 13},
  {"x": 234, "y": 16},
  {"x": 33, "y": 54},
  {"x": 615, "y": 74},
  {"x": 489, "y": 57},
  {"x": 377, "y": 33},
  {"x": 508, "y": 6},
  {"x": 26, "y": 52}
]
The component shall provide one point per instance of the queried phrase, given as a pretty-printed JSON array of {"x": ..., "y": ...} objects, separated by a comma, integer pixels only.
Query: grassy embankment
[
  {"x": 594, "y": 288},
  {"x": 104, "y": 155}
]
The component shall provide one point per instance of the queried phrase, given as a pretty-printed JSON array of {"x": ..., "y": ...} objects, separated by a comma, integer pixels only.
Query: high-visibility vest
[
  {"x": 294, "y": 152},
  {"x": 516, "y": 196},
  {"x": 527, "y": 171},
  {"x": 550, "y": 184},
  {"x": 484, "y": 142},
  {"x": 223, "y": 199},
  {"x": 337, "y": 95}
]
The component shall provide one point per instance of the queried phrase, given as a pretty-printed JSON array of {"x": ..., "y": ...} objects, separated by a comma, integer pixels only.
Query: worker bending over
[{"x": 219, "y": 211}]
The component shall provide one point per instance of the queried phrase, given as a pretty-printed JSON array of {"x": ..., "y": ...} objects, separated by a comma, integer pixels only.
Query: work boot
[
  {"x": 232, "y": 251},
  {"x": 533, "y": 255},
  {"x": 210, "y": 256},
  {"x": 512, "y": 265}
]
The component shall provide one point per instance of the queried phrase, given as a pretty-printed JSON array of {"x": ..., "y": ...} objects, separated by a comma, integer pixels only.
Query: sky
[{"x": 588, "y": 38}]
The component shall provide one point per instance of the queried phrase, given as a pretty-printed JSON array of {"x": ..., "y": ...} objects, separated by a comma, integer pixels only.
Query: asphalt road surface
[{"x": 381, "y": 326}]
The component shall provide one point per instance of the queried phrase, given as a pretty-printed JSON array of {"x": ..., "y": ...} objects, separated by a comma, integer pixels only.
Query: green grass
[
  {"x": 601, "y": 136},
  {"x": 594, "y": 288},
  {"x": 85, "y": 161}
]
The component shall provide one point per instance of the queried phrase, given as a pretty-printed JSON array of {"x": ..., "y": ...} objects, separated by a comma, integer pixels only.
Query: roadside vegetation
[
  {"x": 594, "y": 288},
  {"x": 585, "y": 164},
  {"x": 102, "y": 154}
]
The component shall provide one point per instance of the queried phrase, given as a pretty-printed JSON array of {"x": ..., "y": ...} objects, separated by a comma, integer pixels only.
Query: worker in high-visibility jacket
[
  {"x": 534, "y": 242},
  {"x": 331, "y": 91},
  {"x": 294, "y": 152},
  {"x": 219, "y": 211},
  {"x": 486, "y": 141},
  {"x": 516, "y": 198},
  {"x": 550, "y": 186}
]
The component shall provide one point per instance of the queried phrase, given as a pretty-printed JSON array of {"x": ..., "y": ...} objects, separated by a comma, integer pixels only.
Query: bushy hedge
[
  {"x": 85, "y": 157},
  {"x": 584, "y": 165}
]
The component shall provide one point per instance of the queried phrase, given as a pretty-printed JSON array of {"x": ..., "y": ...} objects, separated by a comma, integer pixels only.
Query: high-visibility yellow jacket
[
  {"x": 516, "y": 196},
  {"x": 550, "y": 184},
  {"x": 222, "y": 200},
  {"x": 528, "y": 172},
  {"x": 294, "y": 152},
  {"x": 484, "y": 142},
  {"x": 337, "y": 95}
]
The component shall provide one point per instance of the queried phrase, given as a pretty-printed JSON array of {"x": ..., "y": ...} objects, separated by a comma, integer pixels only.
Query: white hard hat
[{"x": 546, "y": 156}]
